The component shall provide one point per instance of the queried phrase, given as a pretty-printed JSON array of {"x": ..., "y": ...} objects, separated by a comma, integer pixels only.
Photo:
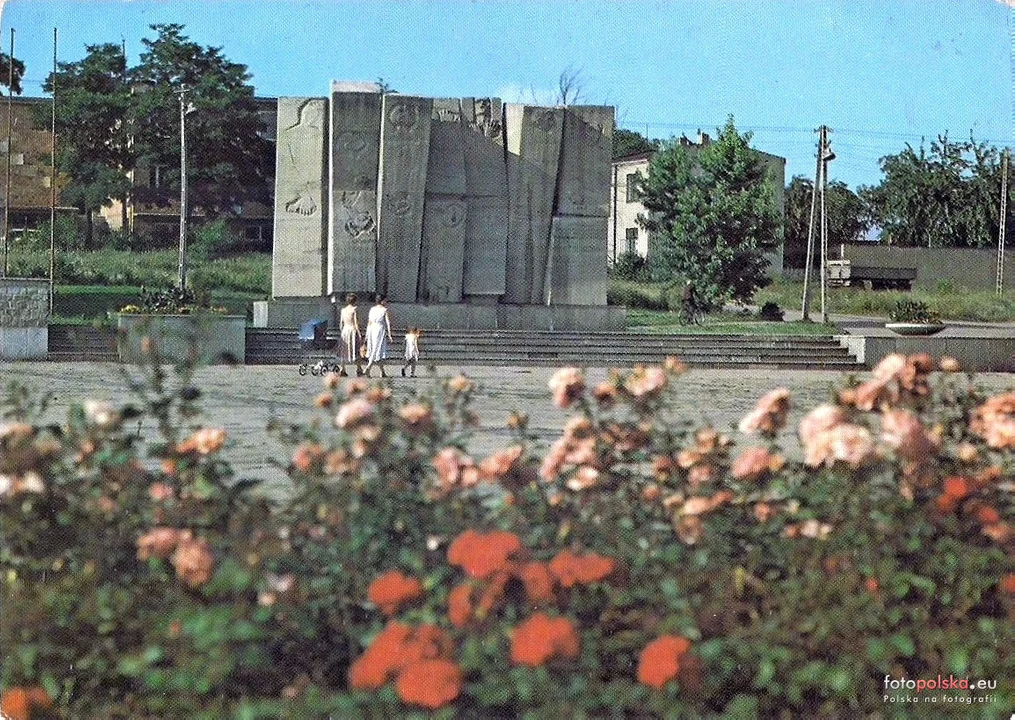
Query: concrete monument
[
  {"x": 443, "y": 252},
  {"x": 467, "y": 213},
  {"x": 355, "y": 147},
  {"x": 297, "y": 259},
  {"x": 405, "y": 142}
]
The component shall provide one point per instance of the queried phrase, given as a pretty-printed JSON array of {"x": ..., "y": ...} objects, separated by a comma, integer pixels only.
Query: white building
[{"x": 624, "y": 232}]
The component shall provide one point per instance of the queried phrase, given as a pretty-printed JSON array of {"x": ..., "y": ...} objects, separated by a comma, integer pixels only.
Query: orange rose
[
  {"x": 1007, "y": 584},
  {"x": 956, "y": 487},
  {"x": 460, "y": 605},
  {"x": 483, "y": 555},
  {"x": 538, "y": 581},
  {"x": 193, "y": 560},
  {"x": 158, "y": 542},
  {"x": 430, "y": 683},
  {"x": 392, "y": 590},
  {"x": 541, "y": 638},
  {"x": 571, "y": 569},
  {"x": 660, "y": 660},
  {"x": 381, "y": 661},
  {"x": 567, "y": 385}
]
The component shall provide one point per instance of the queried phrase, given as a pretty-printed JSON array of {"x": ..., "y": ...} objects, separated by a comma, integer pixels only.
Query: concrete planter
[
  {"x": 905, "y": 328},
  {"x": 215, "y": 338}
]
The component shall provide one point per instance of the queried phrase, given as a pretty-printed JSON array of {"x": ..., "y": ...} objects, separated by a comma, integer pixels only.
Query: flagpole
[
  {"x": 7, "y": 178},
  {"x": 52, "y": 191}
]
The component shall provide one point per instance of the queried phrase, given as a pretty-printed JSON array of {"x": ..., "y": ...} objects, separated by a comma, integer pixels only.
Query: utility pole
[
  {"x": 810, "y": 235},
  {"x": 826, "y": 155},
  {"x": 999, "y": 288},
  {"x": 184, "y": 109},
  {"x": 7, "y": 177},
  {"x": 52, "y": 191}
]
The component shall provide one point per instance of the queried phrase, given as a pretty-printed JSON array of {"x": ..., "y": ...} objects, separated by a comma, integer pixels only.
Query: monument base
[{"x": 292, "y": 312}]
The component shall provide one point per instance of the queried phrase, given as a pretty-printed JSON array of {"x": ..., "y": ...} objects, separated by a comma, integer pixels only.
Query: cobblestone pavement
[{"x": 244, "y": 399}]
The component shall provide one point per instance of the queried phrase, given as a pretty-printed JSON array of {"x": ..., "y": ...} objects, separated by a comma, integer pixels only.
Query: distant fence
[{"x": 975, "y": 269}]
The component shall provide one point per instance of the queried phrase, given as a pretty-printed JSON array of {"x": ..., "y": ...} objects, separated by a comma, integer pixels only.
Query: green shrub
[
  {"x": 914, "y": 311},
  {"x": 249, "y": 273},
  {"x": 632, "y": 267},
  {"x": 636, "y": 295},
  {"x": 640, "y": 567},
  {"x": 771, "y": 311}
]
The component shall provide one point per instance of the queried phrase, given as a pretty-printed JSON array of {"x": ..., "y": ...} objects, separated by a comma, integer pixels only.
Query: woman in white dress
[
  {"x": 351, "y": 335},
  {"x": 378, "y": 335}
]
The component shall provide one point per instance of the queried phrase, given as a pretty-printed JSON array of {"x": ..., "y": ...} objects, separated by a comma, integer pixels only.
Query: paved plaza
[{"x": 244, "y": 399}]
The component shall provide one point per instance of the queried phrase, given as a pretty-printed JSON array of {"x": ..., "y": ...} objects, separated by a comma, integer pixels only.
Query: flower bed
[{"x": 638, "y": 567}]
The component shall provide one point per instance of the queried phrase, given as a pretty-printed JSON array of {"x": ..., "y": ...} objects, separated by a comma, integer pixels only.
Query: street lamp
[{"x": 185, "y": 110}]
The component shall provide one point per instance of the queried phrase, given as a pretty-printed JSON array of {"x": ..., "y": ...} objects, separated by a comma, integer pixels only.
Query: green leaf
[{"x": 904, "y": 644}]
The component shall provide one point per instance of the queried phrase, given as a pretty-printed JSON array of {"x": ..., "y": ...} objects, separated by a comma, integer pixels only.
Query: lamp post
[{"x": 185, "y": 109}]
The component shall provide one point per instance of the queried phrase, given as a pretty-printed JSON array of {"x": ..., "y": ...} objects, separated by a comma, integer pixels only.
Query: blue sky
[{"x": 880, "y": 73}]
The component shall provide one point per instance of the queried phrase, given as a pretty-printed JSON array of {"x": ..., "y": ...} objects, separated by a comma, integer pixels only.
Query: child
[{"x": 411, "y": 350}]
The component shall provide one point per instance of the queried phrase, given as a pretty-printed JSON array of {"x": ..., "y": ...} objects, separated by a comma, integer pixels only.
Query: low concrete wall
[
  {"x": 24, "y": 318},
  {"x": 219, "y": 338},
  {"x": 981, "y": 354},
  {"x": 972, "y": 268},
  {"x": 293, "y": 312}
]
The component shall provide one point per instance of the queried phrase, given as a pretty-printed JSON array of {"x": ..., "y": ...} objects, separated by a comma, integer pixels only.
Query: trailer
[{"x": 844, "y": 273}]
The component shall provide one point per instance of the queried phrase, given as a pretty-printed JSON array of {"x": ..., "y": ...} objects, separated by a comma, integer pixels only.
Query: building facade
[
  {"x": 153, "y": 207},
  {"x": 28, "y": 154},
  {"x": 627, "y": 235}
]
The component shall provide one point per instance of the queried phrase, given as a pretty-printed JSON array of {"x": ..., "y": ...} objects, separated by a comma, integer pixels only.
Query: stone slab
[
  {"x": 24, "y": 302},
  {"x": 533, "y": 137},
  {"x": 405, "y": 140},
  {"x": 218, "y": 338},
  {"x": 980, "y": 354},
  {"x": 486, "y": 197},
  {"x": 442, "y": 255},
  {"x": 24, "y": 343},
  {"x": 577, "y": 272},
  {"x": 356, "y": 86},
  {"x": 585, "y": 161},
  {"x": 297, "y": 260},
  {"x": 291, "y": 312},
  {"x": 352, "y": 232}
]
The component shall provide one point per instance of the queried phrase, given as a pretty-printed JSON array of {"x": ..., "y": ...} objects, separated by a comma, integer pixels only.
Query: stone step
[
  {"x": 81, "y": 356},
  {"x": 840, "y": 364}
]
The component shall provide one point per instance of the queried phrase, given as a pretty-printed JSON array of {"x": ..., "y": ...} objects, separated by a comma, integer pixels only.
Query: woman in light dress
[
  {"x": 378, "y": 335},
  {"x": 351, "y": 335}
]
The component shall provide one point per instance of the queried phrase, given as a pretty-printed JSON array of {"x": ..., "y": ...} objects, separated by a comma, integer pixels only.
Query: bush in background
[
  {"x": 632, "y": 267},
  {"x": 244, "y": 273}
]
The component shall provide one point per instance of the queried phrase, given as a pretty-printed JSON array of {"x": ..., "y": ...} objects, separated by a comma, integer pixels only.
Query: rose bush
[{"x": 639, "y": 566}]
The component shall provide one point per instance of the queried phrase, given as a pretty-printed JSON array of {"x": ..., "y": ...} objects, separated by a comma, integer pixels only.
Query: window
[
  {"x": 632, "y": 187},
  {"x": 631, "y": 240}
]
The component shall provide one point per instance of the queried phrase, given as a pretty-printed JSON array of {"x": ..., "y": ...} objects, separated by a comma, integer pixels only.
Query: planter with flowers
[
  {"x": 175, "y": 326},
  {"x": 914, "y": 317}
]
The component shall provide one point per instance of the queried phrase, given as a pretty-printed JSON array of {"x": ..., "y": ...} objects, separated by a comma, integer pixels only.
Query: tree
[
  {"x": 847, "y": 219},
  {"x": 570, "y": 86},
  {"x": 5, "y": 73},
  {"x": 629, "y": 142},
  {"x": 91, "y": 122},
  {"x": 712, "y": 211},
  {"x": 228, "y": 160},
  {"x": 947, "y": 197}
]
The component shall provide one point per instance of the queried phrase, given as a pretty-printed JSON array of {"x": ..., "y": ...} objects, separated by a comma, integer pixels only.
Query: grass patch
[
  {"x": 248, "y": 273},
  {"x": 86, "y": 304},
  {"x": 952, "y": 303},
  {"x": 722, "y": 324},
  {"x": 630, "y": 294}
]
